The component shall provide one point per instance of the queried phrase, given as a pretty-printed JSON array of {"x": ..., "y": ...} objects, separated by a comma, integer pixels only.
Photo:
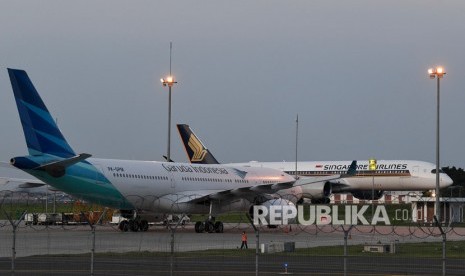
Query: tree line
[{"x": 457, "y": 189}]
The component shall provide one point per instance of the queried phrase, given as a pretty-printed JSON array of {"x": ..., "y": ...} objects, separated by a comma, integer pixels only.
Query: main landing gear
[
  {"x": 134, "y": 225},
  {"x": 209, "y": 226},
  {"x": 132, "y": 222}
]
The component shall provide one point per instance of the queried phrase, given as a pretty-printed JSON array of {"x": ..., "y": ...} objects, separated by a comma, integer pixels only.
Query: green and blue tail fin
[{"x": 40, "y": 130}]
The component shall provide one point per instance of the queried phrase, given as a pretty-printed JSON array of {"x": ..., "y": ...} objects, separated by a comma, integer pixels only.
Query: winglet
[{"x": 352, "y": 168}]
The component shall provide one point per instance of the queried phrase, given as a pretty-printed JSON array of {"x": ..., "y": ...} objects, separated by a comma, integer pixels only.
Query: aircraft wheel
[
  {"x": 219, "y": 227},
  {"x": 133, "y": 225},
  {"x": 123, "y": 226},
  {"x": 144, "y": 225},
  {"x": 199, "y": 227},
  {"x": 209, "y": 227}
]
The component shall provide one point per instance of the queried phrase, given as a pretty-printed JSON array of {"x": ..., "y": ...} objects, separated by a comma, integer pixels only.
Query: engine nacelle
[
  {"x": 317, "y": 192},
  {"x": 274, "y": 212},
  {"x": 368, "y": 194}
]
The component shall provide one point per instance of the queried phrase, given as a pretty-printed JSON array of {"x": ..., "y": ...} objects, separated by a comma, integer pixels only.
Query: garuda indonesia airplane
[
  {"x": 138, "y": 186},
  {"x": 389, "y": 175}
]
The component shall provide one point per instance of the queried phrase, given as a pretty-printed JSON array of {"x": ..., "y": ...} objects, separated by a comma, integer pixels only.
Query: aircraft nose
[{"x": 446, "y": 180}]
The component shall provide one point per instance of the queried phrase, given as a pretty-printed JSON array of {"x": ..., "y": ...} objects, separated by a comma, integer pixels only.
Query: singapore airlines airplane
[
  {"x": 390, "y": 175},
  {"x": 138, "y": 186}
]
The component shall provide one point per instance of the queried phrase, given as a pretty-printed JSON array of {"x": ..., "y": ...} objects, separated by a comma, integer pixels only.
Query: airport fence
[{"x": 55, "y": 235}]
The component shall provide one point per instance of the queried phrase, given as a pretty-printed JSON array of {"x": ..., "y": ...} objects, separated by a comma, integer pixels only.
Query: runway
[
  {"x": 65, "y": 250},
  {"x": 38, "y": 240},
  {"x": 221, "y": 265}
]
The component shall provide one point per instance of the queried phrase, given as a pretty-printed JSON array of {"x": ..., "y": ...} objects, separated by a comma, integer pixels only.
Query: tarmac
[
  {"x": 77, "y": 239},
  {"x": 66, "y": 250}
]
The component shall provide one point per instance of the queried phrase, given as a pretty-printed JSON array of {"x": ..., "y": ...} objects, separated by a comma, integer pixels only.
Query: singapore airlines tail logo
[{"x": 197, "y": 148}]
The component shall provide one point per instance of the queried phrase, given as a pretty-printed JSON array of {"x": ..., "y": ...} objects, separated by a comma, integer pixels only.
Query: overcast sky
[{"x": 354, "y": 71}]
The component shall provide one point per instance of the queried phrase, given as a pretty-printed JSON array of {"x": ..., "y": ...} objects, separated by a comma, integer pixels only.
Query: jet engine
[
  {"x": 277, "y": 208},
  {"x": 318, "y": 192},
  {"x": 368, "y": 194}
]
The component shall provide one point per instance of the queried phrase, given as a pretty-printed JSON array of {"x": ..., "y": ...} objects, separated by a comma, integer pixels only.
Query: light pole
[
  {"x": 169, "y": 81},
  {"x": 438, "y": 73}
]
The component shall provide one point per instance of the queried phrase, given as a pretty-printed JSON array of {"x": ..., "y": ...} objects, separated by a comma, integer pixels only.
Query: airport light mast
[
  {"x": 169, "y": 81},
  {"x": 438, "y": 73}
]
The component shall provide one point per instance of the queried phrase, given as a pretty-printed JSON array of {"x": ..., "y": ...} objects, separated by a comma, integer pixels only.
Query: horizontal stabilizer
[{"x": 57, "y": 168}]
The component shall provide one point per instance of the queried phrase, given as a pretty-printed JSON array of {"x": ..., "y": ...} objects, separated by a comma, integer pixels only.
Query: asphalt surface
[
  {"x": 65, "y": 250},
  {"x": 227, "y": 265}
]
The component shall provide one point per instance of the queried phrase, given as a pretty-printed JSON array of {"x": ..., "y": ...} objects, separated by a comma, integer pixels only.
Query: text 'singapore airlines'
[{"x": 389, "y": 175}]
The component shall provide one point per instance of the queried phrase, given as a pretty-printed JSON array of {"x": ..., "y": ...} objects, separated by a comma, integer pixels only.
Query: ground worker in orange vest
[{"x": 244, "y": 240}]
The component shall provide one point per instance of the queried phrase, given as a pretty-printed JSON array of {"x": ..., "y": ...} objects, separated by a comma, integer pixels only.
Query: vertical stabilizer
[
  {"x": 196, "y": 151},
  {"x": 40, "y": 130}
]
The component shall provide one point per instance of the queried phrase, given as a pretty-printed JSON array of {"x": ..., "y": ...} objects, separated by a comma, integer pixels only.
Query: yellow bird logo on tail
[{"x": 198, "y": 149}]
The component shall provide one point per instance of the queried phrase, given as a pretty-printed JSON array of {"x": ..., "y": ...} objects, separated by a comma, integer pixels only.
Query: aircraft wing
[
  {"x": 25, "y": 183},
  {"x": 272, "y": 188},
  {"x": 248, "y": 193},
  {"x": 340, "y": 186},
  {"x": 22, "y": 184},
  {"x": 304, "y": 180},
  {"x": 7, "y": 165},
  {"x": 18, "y": 183},
  {"x": 252, "y": 192}
]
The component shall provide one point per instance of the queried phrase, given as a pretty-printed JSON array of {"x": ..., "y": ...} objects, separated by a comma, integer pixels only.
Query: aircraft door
[{"x": 172, "y": 181}]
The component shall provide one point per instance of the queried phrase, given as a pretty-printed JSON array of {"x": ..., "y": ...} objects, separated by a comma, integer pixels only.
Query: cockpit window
[{"x": 434, "y": 171}]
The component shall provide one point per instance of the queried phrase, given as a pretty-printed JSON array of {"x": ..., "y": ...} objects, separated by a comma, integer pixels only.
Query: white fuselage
[
  {"x": 390, "y": 175},
  {"x": 174, "y": 187}
]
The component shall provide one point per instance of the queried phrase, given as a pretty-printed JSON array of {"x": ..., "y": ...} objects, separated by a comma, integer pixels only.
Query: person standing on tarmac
[{"x": 244, "y": 240}]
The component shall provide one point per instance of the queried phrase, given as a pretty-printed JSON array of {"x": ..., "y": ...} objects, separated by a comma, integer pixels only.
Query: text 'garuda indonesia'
[{"x": 198, "y": 169}]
